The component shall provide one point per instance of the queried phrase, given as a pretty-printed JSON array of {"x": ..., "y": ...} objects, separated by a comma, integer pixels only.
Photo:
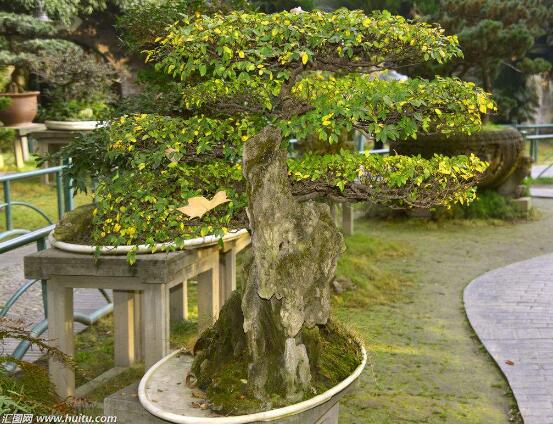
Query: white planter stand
[{"x": 166, "y": 399}]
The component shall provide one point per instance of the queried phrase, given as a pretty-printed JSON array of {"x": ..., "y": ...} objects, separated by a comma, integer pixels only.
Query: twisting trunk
[{"x": 295, "y": 250}]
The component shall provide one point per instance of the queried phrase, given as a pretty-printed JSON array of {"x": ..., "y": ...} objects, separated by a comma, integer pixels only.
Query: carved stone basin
[
  {"x": 501, "y": 148},
  {"x": 164, "y": 394}
]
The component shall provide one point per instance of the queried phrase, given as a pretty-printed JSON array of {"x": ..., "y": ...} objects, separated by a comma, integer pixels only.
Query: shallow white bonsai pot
[
  {"x": 142, "y": 248},
  {"x": 163, "y": 392},
  {"x": 73, "y": 125}
]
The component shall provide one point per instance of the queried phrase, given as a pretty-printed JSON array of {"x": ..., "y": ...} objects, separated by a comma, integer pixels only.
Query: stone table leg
[
  {"x": 332, "y": 207},
  {"x": 347, "y": 219},
  {"x": 208, "y": 297},
  {"x": 42, "y": 150},
  {"x": 178, "y": 299},
  {"x": 227, "y": 275},
  {"x": 60, "y": 335},
  {"x": 156, "y": 323},
  {"x": 123, "y": 328},
  {"x": 18, "y": 153},
  {"x": 25, "y": 147},
  {"x": 138, "y": 326}
]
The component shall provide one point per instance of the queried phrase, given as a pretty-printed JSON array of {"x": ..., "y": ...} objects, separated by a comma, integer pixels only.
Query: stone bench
[{"x": 144, "y": 295}]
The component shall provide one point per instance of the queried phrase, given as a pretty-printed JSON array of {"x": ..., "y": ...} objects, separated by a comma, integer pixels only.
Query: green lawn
[
  {"x": 40, "y": 195},
  {"x": 406, "y": 279}
]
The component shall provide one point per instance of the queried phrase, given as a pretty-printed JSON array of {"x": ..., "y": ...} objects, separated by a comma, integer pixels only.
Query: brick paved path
[
  {"x": 511, "y": 311},
  {"x": 29, "y": 306}
]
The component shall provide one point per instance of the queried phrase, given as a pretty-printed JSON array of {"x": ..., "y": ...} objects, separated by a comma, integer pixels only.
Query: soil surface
[{"x": 426, "y": 364}]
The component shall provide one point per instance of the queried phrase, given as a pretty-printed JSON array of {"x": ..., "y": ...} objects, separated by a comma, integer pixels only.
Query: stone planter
[
  {"x": 22, "y": 109},
  {"x": 73, "y": 125},
  {"x": 164, "y": 394},
  {"x": 502, "y": 149}
]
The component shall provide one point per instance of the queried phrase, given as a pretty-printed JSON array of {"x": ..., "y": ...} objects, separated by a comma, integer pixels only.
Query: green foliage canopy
[{"x": 304, "y": 73}]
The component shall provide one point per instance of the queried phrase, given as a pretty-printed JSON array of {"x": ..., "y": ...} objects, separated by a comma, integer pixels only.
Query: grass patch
[
  {"x": 94, "y": 351},
  {"x": 7, "y": 163},
  {"x": 488, "y": 205},
  {"x": 425, "y": 364},
  {"x": 360, "y": 267},
  {"x": 126, "y": 378},
  {"x": 538, "y": 181},
  {"x": 40, "y": 195}
]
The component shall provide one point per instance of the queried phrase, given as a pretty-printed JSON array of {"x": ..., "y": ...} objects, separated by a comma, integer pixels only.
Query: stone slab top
[
  {"x": 24, "y": 129},
  {"x": 156, "y": 268}
]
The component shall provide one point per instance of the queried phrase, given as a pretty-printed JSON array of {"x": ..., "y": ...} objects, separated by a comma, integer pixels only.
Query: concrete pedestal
[
  {"x": 50, "y": 141},
  {"x": 140, "y": 297}
]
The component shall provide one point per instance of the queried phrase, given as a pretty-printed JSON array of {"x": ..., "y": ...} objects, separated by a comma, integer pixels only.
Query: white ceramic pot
[
  {"x": 159, "y": 247},
  {"x": 163, "y": 393},
  {"x": 73, "y": 125}
]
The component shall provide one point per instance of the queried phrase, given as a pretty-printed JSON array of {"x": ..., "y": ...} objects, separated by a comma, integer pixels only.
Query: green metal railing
[
  {"x": 64, "y": 197},
  {"x": 535, "y": 133},
  {"x": 13, "y": 238}
]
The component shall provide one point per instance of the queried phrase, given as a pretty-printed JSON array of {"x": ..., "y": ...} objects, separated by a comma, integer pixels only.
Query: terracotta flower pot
[{"x": 22, "y": 109}]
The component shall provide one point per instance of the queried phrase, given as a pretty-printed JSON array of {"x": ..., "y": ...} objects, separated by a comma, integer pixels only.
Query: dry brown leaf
[
  {"x": 198, "y": 394},
  {"x": 169, "y": 154},
  {"x": 190, "y": 380},
  {"x": 199, "y": 205}
]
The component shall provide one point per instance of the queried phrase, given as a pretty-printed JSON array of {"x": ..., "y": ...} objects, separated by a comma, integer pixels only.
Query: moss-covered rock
[
  {"x": 76, "y": 226},
  {"x": 222, "y": 360}
]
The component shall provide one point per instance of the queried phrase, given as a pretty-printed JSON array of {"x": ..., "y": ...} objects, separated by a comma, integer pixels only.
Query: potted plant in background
[
  {"x": 77, "y": 88},
  {"x": 20, "y": 37},
  {"x": 250, "y": 81}
]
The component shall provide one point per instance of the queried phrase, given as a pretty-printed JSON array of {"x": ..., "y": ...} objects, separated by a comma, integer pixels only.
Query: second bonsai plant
[{"x": 78, "y": 89}]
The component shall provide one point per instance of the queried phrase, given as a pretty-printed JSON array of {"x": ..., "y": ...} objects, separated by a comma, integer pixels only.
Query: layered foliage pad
[
  {"x": 198, "y": 157},
  {"x": 305, "y": 73}
]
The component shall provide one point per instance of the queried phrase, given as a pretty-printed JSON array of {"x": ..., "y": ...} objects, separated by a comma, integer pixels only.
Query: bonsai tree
[
  {"x": 77, "y": 85},
  {"x": 249, "y": 82}
]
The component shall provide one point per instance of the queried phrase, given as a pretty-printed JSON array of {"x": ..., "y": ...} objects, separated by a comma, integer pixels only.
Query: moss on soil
[
  {"x": 221, "y": 362},
  {"x": 76, "y": 226}
]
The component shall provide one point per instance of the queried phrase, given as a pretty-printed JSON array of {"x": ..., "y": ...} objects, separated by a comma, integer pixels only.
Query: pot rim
[
  {"x": 142, "y": 248},
  {"x": 270, "y": 415},
  {"x": 24, "y": 94},
  {"x": 74, "y": 125},
  {"x": 56, "y": 121}
]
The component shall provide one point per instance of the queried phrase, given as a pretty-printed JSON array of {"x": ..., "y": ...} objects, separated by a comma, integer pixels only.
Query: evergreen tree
[{"x": 496, "y": 37}]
